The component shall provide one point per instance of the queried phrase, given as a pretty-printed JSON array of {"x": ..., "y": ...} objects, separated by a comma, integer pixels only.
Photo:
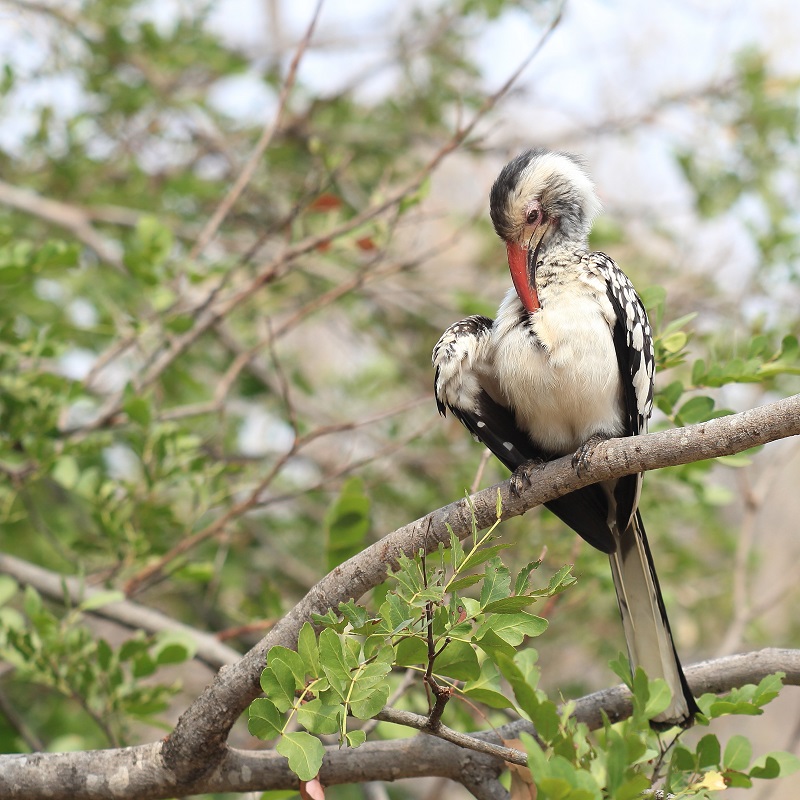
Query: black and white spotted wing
[{"x": 633, "y": 342}]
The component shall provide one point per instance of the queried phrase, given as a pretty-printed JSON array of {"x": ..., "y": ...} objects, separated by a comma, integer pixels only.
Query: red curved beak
[{"x": 522, "y": 265}]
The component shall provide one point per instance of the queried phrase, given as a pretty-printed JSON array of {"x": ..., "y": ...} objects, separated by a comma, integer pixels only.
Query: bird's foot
[
  {"x": 522, "y": 476},
  {"x": 582, "y": 459}
]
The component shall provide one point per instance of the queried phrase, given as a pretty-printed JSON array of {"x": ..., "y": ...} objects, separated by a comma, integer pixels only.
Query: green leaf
[
  {"x": 698, "y": 409},
  {"x": 292, "y": 660},
  {"x": 633, "y": 788},
  {"x": 355, "y": 738},
  {"x": 8, "y": 588},
  {"x": 768, "y": 688},
  {"x": 708, "y": 751},
  {"x": 355, "y": 614},
  {"x": 788, "y": 764},
  {"x": 768, "y": 769},
  {"x": 616, "y": 760},
  {"x": 265, "y": 721},
  {"x": 486, "y": 688},
  {"x": 659, "y": 698},
  {"x": 278, "y": 685},
  {"x": 496, "y": 582},
  {"x": 493, "y": 645},
  {"x": 458, "y": 660},
  {"x": 318, "y": 717},
  {"x": 543, "y": 714},
  {"x": 675, "y": 342},
  {"x": 738, "y": 753},
  {"x": 699, "y": 372},
  {"x": 100, "y": 599},
  {"x": 621, "y": 667},
  {"x": 308, "y": 650},
  {"x": 410, "y": 652},
  {"x": 369, "y": 704},
  {"x": 66, "y": 472},
  {"x": 683, "y": 759},
  {"x": 509, "y": 605},
  {"x": 464, "y": 583},
  {"x": 148, "y": 249},
  {"x": 523, "y": 577},
  {"x": 138, "y": 410},
  {"x": 561, "y": 580},
  {"x": 304, "y": 753},
  {"x": 513, "y": 628},
  {"x": 173, "y": 647},
  {"x": 347, "y": 523},
  {"x": 478, "y": 557}
]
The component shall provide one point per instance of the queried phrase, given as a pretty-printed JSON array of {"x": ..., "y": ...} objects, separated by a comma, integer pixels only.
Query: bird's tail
[{"x": 644, "y": 618}]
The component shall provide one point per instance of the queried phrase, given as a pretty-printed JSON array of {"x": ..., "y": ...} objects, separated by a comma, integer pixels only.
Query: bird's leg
[
  {"x": 522, "y": 476},
  {"x": 582, "y": 459}
]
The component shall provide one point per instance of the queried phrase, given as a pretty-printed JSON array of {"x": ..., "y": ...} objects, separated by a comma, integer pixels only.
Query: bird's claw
[
  {"x": 582, "y": 459},
  {"x": 522, "y": 477}
]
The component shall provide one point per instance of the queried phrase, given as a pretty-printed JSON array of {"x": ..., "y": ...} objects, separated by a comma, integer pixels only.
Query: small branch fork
[{"x": 441, "y": 694}]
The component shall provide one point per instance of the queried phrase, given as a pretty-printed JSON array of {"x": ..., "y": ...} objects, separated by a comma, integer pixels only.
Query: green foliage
[
  {"x": 63, "y": 655},
  {"x": 425, "y": 624},
  {"x": 765, "y": 123},
  {"x": 347, "y": 522},
  {"x": 469, "y": 643}
]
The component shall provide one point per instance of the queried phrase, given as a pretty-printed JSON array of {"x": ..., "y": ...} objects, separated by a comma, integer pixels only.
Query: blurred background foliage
[{"x": 209, "y": 426}]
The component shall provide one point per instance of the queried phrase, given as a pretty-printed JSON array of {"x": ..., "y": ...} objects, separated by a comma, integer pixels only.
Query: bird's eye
[{"x": 533, "y": 216}]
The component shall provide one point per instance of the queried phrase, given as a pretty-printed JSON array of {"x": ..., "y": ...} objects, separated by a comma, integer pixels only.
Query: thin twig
[
  {"x": 278, "y": 266},
  {"x": 246, "y": 175},
  {"x": 421, "y": 723}
]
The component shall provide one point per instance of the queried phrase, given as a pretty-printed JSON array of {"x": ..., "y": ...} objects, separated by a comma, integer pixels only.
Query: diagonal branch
[
  {"x": 203, "y": 729},
  {"x": 245, "y": 176},
  {"x": 124, "y": 612},
  {"x": 71, "y": 218}
]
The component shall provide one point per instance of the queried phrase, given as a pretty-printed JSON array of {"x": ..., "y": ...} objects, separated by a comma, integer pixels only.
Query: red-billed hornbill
[{"x": 568, "y": 362}]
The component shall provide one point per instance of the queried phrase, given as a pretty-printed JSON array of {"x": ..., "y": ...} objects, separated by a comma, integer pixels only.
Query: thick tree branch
[
  {"x": 139, "y": 773},
  {"x": 202, "y": 730}
]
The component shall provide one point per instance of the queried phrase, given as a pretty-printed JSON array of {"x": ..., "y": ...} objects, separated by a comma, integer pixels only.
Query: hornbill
[{"x": 567, "y": 363}]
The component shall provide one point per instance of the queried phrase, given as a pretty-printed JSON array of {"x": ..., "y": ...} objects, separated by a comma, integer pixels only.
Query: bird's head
[{"x": 540, "y": 199}]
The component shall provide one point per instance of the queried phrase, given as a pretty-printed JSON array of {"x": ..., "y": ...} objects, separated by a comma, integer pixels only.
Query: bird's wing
[
  {"x": 633, "y": 344},
  {"x": 465, "y": 385},
  {"x": 463, "y": 382}
]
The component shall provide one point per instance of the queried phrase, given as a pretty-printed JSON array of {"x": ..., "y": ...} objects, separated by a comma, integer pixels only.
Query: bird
[{"x": 567, "y": 363}]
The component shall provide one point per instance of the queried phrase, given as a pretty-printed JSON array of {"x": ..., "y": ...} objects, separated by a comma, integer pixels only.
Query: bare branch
[
  {"x": 142, "y": 773},
  {"x": 203, "y": 729},
  {"x": 71, "y": 218},
  {"x": 132, "y": 615},
  {"x": 245, "y": 176},
  {"x": 422, "y": 723}
]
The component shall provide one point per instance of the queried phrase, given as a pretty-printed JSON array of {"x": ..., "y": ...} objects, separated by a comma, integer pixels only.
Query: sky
[{"x": 607, "y": 59}]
